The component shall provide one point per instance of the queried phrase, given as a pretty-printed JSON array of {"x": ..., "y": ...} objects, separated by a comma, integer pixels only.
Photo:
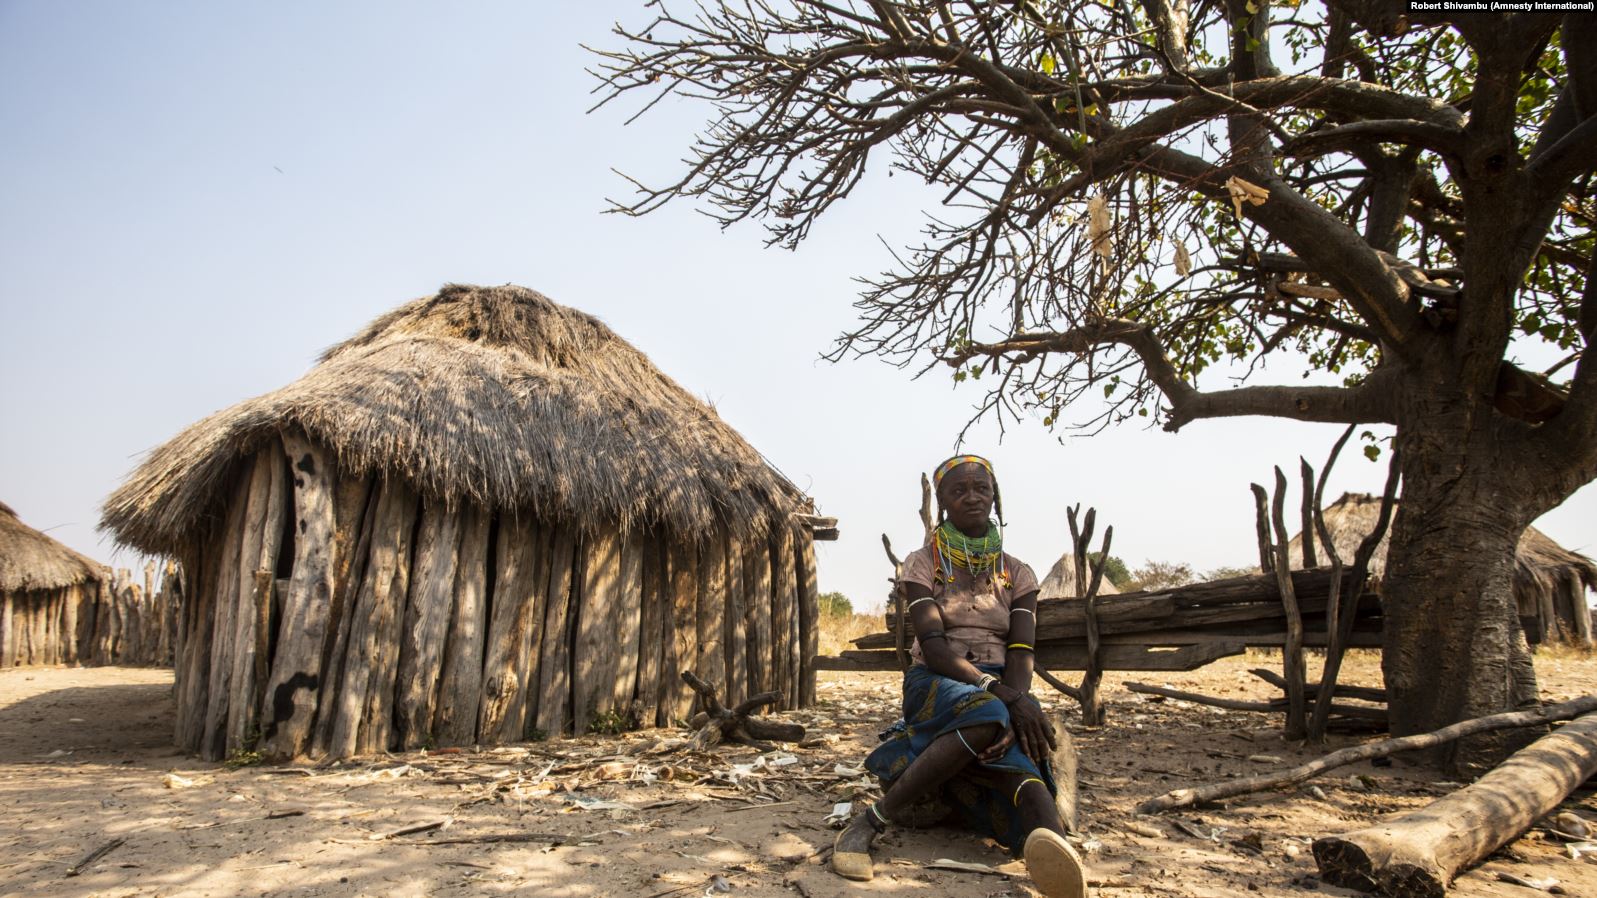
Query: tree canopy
[{"x": 1132, "y": 191}]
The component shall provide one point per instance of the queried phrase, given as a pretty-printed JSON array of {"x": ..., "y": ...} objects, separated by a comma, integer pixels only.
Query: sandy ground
[{"x": 85, "y": 760}]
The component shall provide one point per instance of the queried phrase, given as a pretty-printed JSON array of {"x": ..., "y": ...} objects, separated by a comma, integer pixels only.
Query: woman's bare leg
[{"x": 945, "y": 756}]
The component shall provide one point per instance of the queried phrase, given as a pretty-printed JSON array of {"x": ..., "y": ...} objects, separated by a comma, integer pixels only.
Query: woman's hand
[{"x": 1029, "y": 725}]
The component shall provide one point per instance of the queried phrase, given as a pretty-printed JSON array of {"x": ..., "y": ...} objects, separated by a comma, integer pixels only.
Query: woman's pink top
[{"x": 975, "y": 608}]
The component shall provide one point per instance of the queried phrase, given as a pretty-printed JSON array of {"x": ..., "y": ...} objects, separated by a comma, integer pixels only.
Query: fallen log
[
  {"x": 1274, "y": 706},
  {"x": 1419, "y": 853},
  {"x": 1181, "y": 798},
  {"x": 1363, "y": 693}
]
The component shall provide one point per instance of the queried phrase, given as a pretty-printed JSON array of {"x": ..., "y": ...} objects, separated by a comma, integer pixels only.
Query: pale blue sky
[{"x": 196, "y": 198}]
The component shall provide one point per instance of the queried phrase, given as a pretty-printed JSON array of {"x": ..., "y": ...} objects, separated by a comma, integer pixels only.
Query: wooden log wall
[
  {"x": 336, "y": 616},
  {"x": 114, "y": 620}
]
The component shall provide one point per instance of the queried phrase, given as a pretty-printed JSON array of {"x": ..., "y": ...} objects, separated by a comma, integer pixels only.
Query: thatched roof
[
  {"x": 1060, "y": 582},
  {"x": 1538, "y": 563},
  {"x": 31, "y": 560},
  {"x": 493, "y": 395}
]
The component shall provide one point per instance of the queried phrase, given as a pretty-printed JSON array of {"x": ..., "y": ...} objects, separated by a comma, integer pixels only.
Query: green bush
[{"x": 835, "y": 604}]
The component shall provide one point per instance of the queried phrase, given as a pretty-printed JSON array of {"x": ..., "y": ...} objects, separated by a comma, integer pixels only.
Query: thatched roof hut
[
  {"x": 1060, "y": 583},
  {"x": 1550, "y": 581},
  {"x": 44, "y": 587},
  {"x": 482, "y": 487}
]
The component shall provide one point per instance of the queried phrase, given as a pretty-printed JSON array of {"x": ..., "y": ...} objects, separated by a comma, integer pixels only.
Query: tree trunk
[{"x": 1452, "y": 645}]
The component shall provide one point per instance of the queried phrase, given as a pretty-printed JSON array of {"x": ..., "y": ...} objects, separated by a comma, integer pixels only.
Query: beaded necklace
[{"x": 951, "y": 548}]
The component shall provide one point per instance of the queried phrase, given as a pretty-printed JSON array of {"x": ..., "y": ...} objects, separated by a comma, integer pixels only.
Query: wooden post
[
  {"x": 653, "y": 631},
  {"x": 1261, "y": 520},
  {"x": 809, "y": 606},
  {"x": 455, "y": 720},
  {"x": 263, "y": 532},
  {"x": 627, "y": 622},
  {"x": 554, "y": 672},
  {"x": 8, "y": 652},
  {"x": 384, "y": 596},
  {"x": 594, "y": 657},
  {"x": 1292, "y": 651},
  {"x": 683, "y": 651},
  {"x": 206, "y": 705},
  {"x": 289, "y": 707},
  {"x": 426, "y": 629},
  {"x": 1575, "y": 597},
  {"x": 785, "y": 647},
  {"x": 1306, "y": 516},
  {"x": 353, "y": 509},
  {"x": 757, "y": 589},
  {"x": 736, "y": 632},
  {"x": 514, "y": 631},
  {"x": 711, "y": 615}
]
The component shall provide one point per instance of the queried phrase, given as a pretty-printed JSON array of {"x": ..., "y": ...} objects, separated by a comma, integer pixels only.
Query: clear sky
[{"x": 196, "y": 198}]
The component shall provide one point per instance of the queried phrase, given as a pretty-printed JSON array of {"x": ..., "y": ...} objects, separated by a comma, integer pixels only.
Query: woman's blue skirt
[{"x": 935, "y": 705}]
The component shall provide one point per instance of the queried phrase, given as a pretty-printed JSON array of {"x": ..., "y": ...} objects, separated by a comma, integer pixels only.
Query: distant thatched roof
[
  {"x": 31, "y": 560},
  {"x": 1537, "y": 563},
  {"x": 494, "y": 395},
  {"x": 1061, "y": 581}
]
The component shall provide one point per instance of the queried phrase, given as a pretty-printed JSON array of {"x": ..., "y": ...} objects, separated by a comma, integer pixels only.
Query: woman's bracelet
[
  {"x": 1019, "y": 647},
  {"x": 1026, "y": 610},
  {"x": 986, "y": 682}
]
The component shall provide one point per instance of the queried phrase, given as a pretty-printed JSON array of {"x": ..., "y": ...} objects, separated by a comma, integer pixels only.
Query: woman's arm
[
  {"x": 927, "y": 619},
  {"x": 1020, "y": 643}
]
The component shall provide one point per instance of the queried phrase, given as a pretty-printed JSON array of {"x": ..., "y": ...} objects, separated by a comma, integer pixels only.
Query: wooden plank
[
  {"x": 594, "y": 654},
  {"x": 757, "y": 586},
  {"x": 809, "y": 632},
  {"x": 710, "y": 617},
  {"x": 683, "y": 649},
  {"x": 515, "y": 627},
  {"x": 455, "y": 719},
  {"x": 785, "y": 646},
  {"x": 263, "y": 532},
  {"x": 652, "y": 629},
  {"x": 554, "y": 673},
  {"x": 289, "y": 708},
  {"x": 1112, "y": 657},
  {"x": 353, "y": 509},
  {"x": 8, "y": 652},
  {"x": 532, "y": 657},
  {"x": 627, "y": 623},
  {"x": 425, "y": 633},
  {"x": 224, "y": 610},
  {"x": 735, "y": 632},
  {"x": 388, "y": 572}
]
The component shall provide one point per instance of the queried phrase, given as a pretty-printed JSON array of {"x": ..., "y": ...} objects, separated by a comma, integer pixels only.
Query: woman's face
[{"x": 966, "y": 494}]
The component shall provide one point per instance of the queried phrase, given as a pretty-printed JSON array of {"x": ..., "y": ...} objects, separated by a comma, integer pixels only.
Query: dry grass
[{"x": 838, "y": 632}]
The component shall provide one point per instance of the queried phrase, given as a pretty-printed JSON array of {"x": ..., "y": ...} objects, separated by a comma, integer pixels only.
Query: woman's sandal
[
  {"x": 1054, "y": 866},
  {"x": 856, "y": 865}
]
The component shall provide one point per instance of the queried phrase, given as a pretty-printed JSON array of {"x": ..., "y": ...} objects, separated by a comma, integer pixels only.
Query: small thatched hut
[
  {"x": 47, "y": 597},
  {"x": 1060, "y": 583},
  {"x": 483, "y": 517},
  {"x": 1550, "y": 582}
]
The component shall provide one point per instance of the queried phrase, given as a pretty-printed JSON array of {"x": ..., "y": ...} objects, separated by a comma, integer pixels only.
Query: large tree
[{"x": 1131, "y": 192}]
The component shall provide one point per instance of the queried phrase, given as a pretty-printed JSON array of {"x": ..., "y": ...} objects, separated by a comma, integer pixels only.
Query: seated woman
[{"x": 973, "y": 740}]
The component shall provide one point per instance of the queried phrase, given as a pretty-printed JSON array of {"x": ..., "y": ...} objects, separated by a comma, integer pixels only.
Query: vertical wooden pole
[
  {"x": 1292, "y": 651},
  {"x": 8, "y": 652},
  {"x": 594, "y": 651},
  {"x": 426, "y": 629},
  {"x": 809, "y": 604},
  {"x": 785, "y": 646},
  {"x": 384, "y": 595},
  {"x": 1306, "y": 516},
  {"x": 628, "y": 622},
  {"x": 757, "y": 589},
  {"x": 353, "y": 508},
  {"x": 515, "y": 629},
  {"x": 1574, "y": 592},
  {"x": 710, "y": 664},
  {"x": 221, "y": 608},
  {"x": 289, "y": 707},
  {"x": 652, "y": 629},
  {"x": 736, "y": 632},
  {"x": 455, "y": 721},
  {"x": 554, "y": 671},
  {"x": 263, "y": 532},
  {"x": 683, "y": 651}
]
